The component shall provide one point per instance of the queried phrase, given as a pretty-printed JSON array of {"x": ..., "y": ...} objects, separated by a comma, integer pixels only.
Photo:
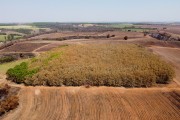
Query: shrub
[
  {"x": 126, "y": 38},
  {"x": 3, "y": 33},
  {"x": 145, "y": 34},
  {"x": 20, "y": 72},
  {"x": 108, "y": 36},
  {"x": 113, "y": 35},
  {"x": 6, "y": 59},
  {"x": 178, "y": 39},
  {"x": 4, "y": 91},
  {"x": 87, "y": 37}
]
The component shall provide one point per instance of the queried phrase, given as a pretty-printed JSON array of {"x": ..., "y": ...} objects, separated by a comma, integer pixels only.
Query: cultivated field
[
  {"x": 18, "y": 27},
  {"x": 130, "y": 27},
  {"x": 101, "y": 103},
  {"x": 2, "y": 38},
  {"x": 96, "y": 103},
  {"x": 23, "y": 47},
  {"x": 174, "y": 29},
  {"x": 118, "y": 35}
]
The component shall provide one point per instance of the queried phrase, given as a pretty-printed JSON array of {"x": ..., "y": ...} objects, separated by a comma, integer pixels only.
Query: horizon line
[{"x": 91, "y": 22}]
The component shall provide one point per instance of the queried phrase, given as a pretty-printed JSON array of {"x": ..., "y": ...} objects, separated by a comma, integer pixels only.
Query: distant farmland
[
  {"x": 2, "y": 38},
  {"x": 18, "y": 27}
]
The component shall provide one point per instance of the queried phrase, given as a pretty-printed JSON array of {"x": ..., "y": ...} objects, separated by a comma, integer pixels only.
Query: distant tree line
[
  {"x": 73, "y": 27},
  {"x": 24, "y": 31},
  {"x": 8, "y": 24}
]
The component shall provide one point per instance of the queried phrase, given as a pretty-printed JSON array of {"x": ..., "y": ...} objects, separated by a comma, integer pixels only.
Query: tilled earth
[{"x": 96, "y": 103}]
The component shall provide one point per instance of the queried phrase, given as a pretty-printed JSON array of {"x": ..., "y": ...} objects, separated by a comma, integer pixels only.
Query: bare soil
[{"x": 66, "y": 103}]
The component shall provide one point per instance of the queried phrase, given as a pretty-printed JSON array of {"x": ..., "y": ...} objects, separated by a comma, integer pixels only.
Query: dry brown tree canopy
[
  {"x": 126, "y": 38},
  {"x": 98, "y": 65}
]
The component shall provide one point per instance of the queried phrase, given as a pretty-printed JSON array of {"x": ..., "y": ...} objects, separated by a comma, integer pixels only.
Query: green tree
[{"x": 10, "y": 37}]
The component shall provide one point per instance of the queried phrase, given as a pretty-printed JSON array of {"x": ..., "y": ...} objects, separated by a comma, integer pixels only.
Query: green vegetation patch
[
  {"x": 6, "y": 59},
  {"x": 129, "y": 27},
  {"x": 119, "y": 25},
  {"x": 9, "y": 37},
  {"x": 116, "y": 65},
  {"x": 20, "y": 72},
  {"x": 4, "y": 67},
  {"x": 18, "y": 27},
  {"x": 2, "y": 38}
]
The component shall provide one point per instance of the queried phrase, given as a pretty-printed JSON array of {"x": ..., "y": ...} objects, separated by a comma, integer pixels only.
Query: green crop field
[
  {"x": 16, "y": 37},
  {"x": 119, "y": 25},
  {"x": 137, "y": 29},
  {"x": 130, "y": 27},
  {"x": 2, "y": 38},
  {"x": 18, "y": 27},
  {"x": 4, "y": 67}
]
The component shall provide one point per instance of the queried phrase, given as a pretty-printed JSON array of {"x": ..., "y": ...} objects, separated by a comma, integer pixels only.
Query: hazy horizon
[{"x": 19, "y": 11}]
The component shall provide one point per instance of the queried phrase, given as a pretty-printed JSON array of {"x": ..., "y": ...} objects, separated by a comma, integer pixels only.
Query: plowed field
[{"x": 69, "y": 103}]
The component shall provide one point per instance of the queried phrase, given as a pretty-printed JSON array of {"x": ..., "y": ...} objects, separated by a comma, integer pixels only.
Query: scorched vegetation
[{"x": 8, "y": 98}]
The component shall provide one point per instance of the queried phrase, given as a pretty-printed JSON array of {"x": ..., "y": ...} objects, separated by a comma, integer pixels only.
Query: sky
[{"x": 89, "y": 11}]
